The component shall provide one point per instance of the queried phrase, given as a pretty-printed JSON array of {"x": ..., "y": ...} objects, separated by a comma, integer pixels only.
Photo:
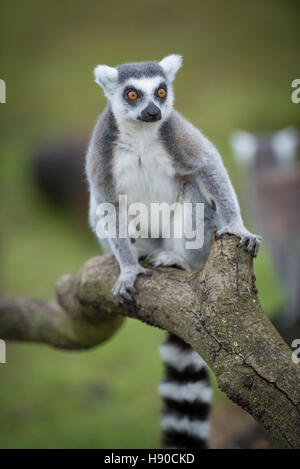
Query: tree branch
[
  {"x": 34, "y": 320},
  {"x": 216, "y": 311}
]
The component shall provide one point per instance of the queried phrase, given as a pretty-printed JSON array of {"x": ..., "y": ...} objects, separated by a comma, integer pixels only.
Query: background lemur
[
  {"x": 272, "y": 197},
  {"x": 141, "y": 147}
]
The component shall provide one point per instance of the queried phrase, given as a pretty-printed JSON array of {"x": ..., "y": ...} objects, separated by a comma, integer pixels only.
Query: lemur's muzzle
[{"x": 151, "y": 113}]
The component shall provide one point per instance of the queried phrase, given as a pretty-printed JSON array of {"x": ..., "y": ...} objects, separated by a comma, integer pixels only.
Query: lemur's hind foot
[{"x": 168, "y": 259}]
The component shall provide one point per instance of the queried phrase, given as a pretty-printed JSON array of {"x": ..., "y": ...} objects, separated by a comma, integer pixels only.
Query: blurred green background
[{"x": 239, "y": 61}]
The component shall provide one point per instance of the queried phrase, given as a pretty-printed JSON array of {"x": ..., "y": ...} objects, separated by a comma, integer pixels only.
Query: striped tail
[{"x": 187, "y": 393}]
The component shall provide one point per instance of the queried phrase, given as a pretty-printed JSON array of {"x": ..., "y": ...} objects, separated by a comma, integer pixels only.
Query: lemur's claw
[
  {"x": 251, "y": 243},
  {"x": 247, "y": 239},
  {"x": 124, "y": 289},
  {"x": 147, "y": 272},
  {"x": 257, "y": 246}
]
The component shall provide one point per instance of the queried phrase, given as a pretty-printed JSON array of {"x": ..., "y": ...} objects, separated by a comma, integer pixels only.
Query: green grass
[
  {"x": 239, "y": 61},
  {"x": 100, "y": 398}
]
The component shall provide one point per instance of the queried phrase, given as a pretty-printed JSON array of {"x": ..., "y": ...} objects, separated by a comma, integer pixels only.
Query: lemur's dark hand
[
  {"x": 251, "y": 241},
  {"x": 124, "y": 288}
]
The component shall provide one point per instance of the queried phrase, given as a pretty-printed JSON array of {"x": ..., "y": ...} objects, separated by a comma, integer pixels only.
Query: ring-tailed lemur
[{"x": 141, "y": 147}]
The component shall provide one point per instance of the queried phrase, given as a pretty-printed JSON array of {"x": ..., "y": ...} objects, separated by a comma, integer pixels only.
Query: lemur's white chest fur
[{"x": 142, "y": 168}]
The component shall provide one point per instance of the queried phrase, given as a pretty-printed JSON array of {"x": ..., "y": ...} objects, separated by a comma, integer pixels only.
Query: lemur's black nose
[{"x": 151, "y": 113}]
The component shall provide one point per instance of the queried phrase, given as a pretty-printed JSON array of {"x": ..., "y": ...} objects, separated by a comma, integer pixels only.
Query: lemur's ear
[
  {"x": 244, "y": 146},
  {"x": 285, "y": 144},
  {"x": 170, "y": 65},
  {"x": 107, "y": 78}
]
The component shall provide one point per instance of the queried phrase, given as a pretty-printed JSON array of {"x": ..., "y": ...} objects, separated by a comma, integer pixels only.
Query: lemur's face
[
  {"x": 143, "y": 99},
  {"x": 140, "y": 92}
]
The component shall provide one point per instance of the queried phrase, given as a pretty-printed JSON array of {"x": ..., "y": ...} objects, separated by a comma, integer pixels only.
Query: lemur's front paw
[
  {"x": 251, "y": 241},
  {"x": 168, "y": 258},
  {"x": 124, "y": 288}
]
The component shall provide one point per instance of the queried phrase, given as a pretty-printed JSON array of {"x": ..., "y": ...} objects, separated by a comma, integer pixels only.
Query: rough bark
[{"x": 216, "y": 311}]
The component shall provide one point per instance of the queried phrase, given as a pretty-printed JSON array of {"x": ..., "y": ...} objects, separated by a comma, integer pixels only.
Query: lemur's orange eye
[
  {"x": 132, "y": 95},
  {"x": 161, "y": 93}
]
